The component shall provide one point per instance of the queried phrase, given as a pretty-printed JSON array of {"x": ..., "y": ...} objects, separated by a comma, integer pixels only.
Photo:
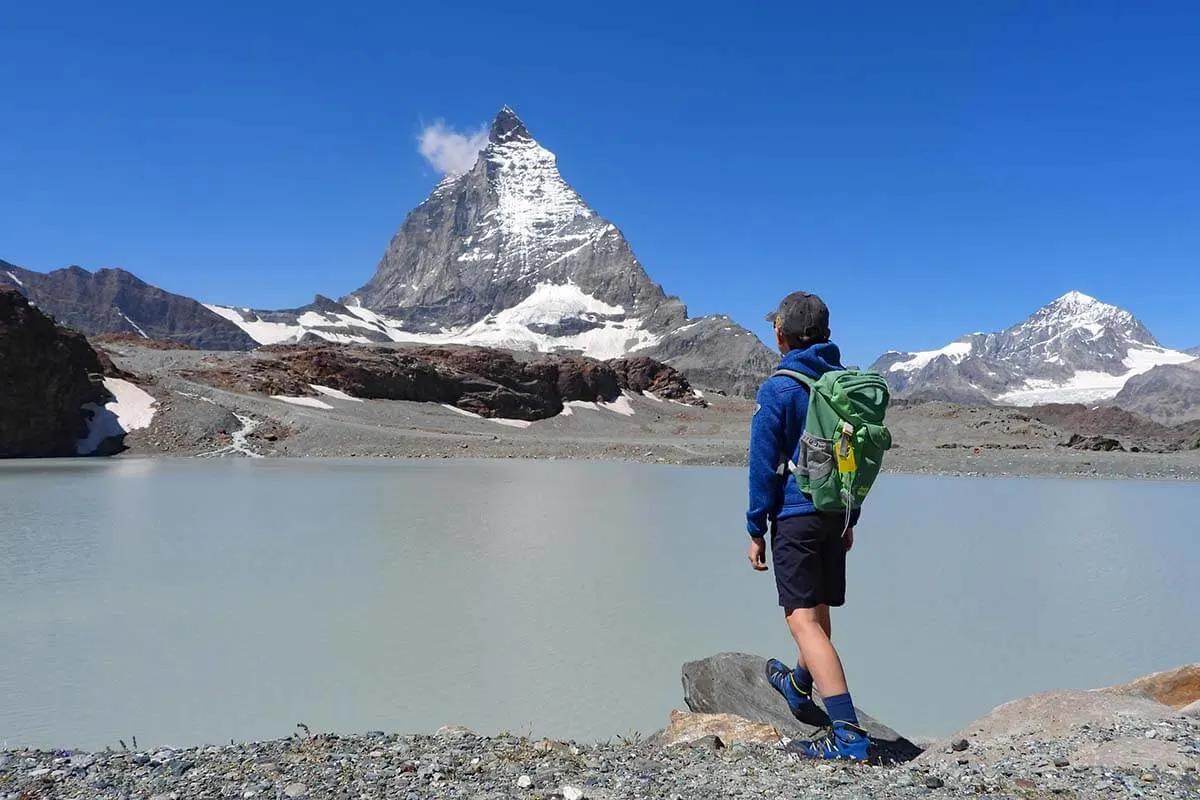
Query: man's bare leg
[{"x": 811, "y": 629}]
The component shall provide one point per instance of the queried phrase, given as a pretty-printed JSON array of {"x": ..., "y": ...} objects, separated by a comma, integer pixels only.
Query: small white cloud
[{"x": 451, "y": 152}]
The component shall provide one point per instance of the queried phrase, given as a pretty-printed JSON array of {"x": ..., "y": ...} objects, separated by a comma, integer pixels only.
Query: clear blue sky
[{"x": 931, "y": 168}]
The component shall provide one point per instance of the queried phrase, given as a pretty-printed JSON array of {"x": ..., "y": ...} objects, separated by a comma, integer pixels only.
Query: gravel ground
[{"x": 458, "y": 764}]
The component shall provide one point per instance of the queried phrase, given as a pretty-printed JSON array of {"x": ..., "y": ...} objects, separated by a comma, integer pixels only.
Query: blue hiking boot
[
  {"x": 842, "y": 741},
  {"x": 799, "y": 700}
]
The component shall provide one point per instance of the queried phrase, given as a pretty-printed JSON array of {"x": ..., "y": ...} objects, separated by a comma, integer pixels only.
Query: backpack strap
[
  {"x": 789, "y": 466},
  {"x": 799, "y": 376}
]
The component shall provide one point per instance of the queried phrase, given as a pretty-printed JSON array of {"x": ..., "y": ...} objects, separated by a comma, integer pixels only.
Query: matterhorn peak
[{"x": 507, "y": 127}]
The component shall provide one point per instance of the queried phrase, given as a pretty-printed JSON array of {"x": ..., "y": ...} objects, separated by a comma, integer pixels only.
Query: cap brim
[{"x": 771, "y": 317}]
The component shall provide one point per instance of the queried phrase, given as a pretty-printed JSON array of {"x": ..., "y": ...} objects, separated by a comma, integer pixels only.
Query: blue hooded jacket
[{"x": 775, "y": 437}]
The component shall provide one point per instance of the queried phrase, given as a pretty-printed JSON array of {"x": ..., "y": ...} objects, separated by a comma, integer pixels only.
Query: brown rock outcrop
[{"x": 491, "y": 383}]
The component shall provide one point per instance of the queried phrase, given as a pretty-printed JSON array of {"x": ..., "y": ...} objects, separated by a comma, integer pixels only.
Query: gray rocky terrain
[
  {"x": 1060, "y": 744},
  {"x": 1169, "y": 393},
  {"x": 225, "y": 403}
]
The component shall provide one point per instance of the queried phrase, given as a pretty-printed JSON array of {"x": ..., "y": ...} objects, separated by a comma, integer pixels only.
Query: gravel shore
[{"x": 457, "y": 764}]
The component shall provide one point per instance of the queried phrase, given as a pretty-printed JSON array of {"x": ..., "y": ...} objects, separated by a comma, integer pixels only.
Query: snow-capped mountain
[
  {"x": 509, "y": 255},
  {"x": 1073, "y": 350}
]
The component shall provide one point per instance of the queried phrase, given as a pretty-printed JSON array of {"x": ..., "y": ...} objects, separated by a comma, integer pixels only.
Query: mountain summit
[
  {"x": 509, "y": 255},
  {"x": 1074, "y": 349},
  {"x": 507, "y": 126}
]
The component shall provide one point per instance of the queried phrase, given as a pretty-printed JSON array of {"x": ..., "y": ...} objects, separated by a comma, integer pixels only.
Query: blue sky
[{"x": 931, "y": 168}]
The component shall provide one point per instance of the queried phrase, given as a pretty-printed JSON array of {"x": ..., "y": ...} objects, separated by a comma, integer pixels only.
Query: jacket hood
[{"x": 815, "y": 360}]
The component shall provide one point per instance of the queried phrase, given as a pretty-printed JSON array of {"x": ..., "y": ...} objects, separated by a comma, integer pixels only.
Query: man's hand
[
  {"x": 848, "y": 538},
  {"x": 758, "y": 554}
]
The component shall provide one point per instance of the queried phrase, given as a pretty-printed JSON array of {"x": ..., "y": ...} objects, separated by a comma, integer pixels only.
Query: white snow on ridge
[
  {"x": 532, "y": 198},
  {"x": 549, "y": 304},
  {"x": 338, "y": 394},
  {"x": 131, "y": 409},
  {"x": 1087, "y": 387},
  {"x": 131, "y": 322},
  {"x": 955, "y": 351},
  {"x": 16, "y": 280},
  {"x": 308, "y": 402}
]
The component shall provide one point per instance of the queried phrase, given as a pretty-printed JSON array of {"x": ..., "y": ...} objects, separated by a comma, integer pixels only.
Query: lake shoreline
[
  {"x": 1181, "y": 467},
  {"x": 455, "y": 762}
]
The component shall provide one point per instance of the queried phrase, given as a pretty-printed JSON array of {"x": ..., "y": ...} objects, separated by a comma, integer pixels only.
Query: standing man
[{"x": 808, "y": 547}]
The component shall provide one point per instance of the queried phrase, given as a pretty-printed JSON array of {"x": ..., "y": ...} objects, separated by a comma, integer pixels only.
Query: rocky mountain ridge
[
  {"x": 1074, "y": 349},
  {"x": 116, "y": 301}
]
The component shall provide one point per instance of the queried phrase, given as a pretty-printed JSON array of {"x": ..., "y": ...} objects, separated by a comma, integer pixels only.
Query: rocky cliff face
[
  {"x": 486, "y": 382},
  {"x": 115, "y": 301},
  {"x": 1170, "y": 393},
  {"x": 47, "y": 374}
]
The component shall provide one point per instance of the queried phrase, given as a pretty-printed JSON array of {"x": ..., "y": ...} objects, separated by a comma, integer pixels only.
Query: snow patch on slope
[
  {"x": 611, "y": 336},
  {"x": 955, "y": 351},
  {"x": 308, "y": 402},
  {"x": 266, "y": 332},
  {"x": 15, "y": 279},
  {"x": 131, "y": 322},
  {"x": 131, "y": 409},
  {"x": 1087, "y": 386},
  {"x": 337, "y": 394},
  {"x": 548, "y": 305}
]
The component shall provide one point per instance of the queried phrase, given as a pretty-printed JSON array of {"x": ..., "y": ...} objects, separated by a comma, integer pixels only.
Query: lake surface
[{"x": 188, "y": 602}]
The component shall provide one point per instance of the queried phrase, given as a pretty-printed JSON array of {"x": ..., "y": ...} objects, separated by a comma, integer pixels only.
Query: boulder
[
  {"x": 1176, "y": 688},
  {"x": 1191, "y": 710},
  {"x": 48, "y": 373},
  {"x": 690, "y": 728},
  {"x": 1107, "y": 730},
  {"x": 641, "y": 374},
  {"x": 736, "y": 683}
]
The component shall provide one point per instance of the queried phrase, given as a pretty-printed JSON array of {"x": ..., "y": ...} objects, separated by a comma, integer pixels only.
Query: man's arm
[{"x": 766, "y": 447}]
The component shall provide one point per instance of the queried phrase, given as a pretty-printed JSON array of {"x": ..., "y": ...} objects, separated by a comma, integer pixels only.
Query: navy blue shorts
[{"x": 809, "y": 556}]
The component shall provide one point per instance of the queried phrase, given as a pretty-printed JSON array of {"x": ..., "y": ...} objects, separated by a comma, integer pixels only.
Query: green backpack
[{"x": 844, "y": 438}]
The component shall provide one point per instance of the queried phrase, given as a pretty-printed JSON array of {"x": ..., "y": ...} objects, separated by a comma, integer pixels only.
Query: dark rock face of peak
[
  {"x": 116, "y": 301},
  {"x": 507, "y": 126},
  {"x": 48, "y": 373}
]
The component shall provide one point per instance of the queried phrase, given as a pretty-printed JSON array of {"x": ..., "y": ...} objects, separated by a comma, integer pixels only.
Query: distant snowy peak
[
  {"x": 1077, "y": 312},
  {"x": 1074, "y": 349}
]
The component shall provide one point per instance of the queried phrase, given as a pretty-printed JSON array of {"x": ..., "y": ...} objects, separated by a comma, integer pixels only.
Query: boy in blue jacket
[{"x": 808, "y": 548}]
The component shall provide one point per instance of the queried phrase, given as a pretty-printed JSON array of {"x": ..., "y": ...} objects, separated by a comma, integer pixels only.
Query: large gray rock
[
  {"x": 1097, "y": 728},
  {"x": 736, "y": 683}
]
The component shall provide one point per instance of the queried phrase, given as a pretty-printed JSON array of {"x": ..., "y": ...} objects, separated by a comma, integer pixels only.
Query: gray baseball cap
[{"x": 803, "y": 315}]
